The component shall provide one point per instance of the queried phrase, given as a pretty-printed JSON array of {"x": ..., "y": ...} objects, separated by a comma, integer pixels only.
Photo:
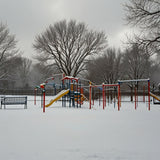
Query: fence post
[
  {"x": 44, "y": 100},
  {"x": 103, "y": 96},
  {"x": 118, "y": 97},
  {"x": 35, "y": 92},
  {"x": 135, "y": 98},
  {"x": 90, "y": 96}
]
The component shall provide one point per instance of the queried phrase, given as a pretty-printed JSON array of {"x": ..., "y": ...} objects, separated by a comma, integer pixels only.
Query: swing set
[
  {"x": 108, "y": 88},
  {"x": 103, "y": 88},
  {"x": 135, "y": 82}
]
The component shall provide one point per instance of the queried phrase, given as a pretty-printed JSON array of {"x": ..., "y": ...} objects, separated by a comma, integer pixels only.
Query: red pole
[
  {"x": 103, "y": 96},
  {"x": 90, "y": 97},
  {"x": 118, "y": 97},
  {"x": 93, "y": 96},
  {"x": 135, "y": 98},
  {"x": 149, "y": 95},
  {"x": 44, "y": 101},
  {"x": 35, "y": 96}
]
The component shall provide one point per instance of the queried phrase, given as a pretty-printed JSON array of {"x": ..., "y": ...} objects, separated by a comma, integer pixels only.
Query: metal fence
[
  {"x": 51, "y": 92},
  {"x": 24, "y": 92}
]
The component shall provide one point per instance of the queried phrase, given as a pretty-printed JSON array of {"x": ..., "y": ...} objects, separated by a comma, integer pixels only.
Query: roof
[{"x": 71, "y": 78}]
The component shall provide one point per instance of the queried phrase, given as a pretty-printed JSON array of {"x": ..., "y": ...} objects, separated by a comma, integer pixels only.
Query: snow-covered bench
[{"x": 14, "y": 101}]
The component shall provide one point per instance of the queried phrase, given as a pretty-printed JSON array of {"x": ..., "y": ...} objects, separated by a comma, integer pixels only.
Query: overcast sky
[{"x": 28, "y": 18}]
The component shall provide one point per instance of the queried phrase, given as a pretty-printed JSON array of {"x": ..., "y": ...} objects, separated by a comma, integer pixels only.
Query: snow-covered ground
[{"x": 80, "y": 134}]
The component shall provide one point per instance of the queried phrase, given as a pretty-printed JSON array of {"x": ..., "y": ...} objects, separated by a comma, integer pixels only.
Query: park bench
[{"x": 14, "y": 101}]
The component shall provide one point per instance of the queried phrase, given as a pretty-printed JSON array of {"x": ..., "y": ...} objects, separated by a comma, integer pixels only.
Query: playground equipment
[
  {"x": 155, "y": 97},
  {"x": 108, "y": 90},
  {"x": 135, "y": 83},
  {"x": 71, "y": 92},
  {"x": 57, "y": 97},
  {"x": 75, "y": 91},
  {"x": 42, "y": 87},
  {"x": 155, "y": 92},
  {"x": 103, "y": 88}
]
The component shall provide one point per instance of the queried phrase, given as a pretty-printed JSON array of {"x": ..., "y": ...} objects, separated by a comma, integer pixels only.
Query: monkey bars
[
  {"x": 103, "y": 93},
  {"x": 138, "y": 80}
]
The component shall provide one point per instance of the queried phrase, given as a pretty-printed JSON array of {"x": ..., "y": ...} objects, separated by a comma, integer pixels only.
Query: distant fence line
[
  {"x": 51, "y": 92},
  {"x": 24, "y": 92}
]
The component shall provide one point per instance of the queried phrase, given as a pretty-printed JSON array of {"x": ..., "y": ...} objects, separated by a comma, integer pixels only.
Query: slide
[
  {"x": 58, "y": 96},
  {"x": 154, "y": 96},
  {"x": 84, "y": 97}
]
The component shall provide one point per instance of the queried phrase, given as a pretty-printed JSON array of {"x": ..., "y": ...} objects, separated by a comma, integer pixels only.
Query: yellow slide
[
  {"x": 58, "y": 96},
  {"x": 154, "y": 96},
  {"x": 84, "y": 97}
]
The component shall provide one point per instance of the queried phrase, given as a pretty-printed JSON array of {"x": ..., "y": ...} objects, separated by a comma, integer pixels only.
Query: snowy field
[{"x": 80, "y": 134}]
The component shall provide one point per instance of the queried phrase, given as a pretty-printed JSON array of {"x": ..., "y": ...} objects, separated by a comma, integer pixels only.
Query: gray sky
[{"x": 28, "y": 18}]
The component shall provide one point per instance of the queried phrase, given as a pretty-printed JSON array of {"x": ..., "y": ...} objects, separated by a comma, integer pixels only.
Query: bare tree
[
  {"x": 136, "y": 63},
  {"x": 7, "y": 49},
  {"x": 13, "y": 68},
  {"x": 106, "y": 68},
  {"x": 9, "y": 72},
  {"x": 69, "y": 45},
  {"x": 23, "y": 72},
  {"x": 41, "y": 72},
  {"x": 146, "y": 15}
]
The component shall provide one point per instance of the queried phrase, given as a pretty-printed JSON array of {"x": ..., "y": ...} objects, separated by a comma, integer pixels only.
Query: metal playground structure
[{"x": 73, "y": 92}]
